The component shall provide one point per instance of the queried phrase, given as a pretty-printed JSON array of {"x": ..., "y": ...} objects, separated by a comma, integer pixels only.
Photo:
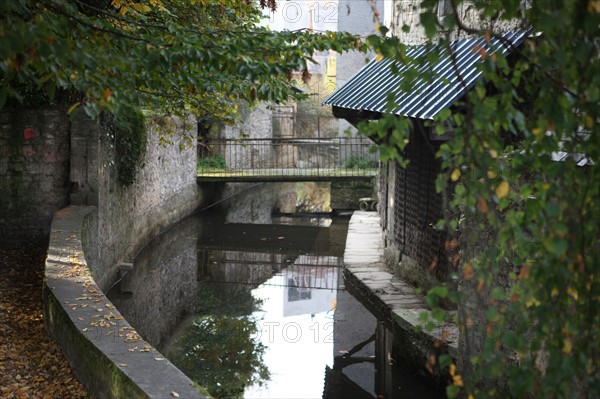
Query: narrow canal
[{"x": 254, "y": 307}]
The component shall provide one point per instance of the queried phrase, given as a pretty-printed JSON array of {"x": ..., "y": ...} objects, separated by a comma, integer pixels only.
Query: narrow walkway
[
  {"x": 285, "y": 175},
  {"x": 384, "y": 293}
]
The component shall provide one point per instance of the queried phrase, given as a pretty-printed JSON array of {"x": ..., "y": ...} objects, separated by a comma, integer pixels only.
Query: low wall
[
  {"x": 345, "y": 194},
  {"x": 107, "y": 354}
]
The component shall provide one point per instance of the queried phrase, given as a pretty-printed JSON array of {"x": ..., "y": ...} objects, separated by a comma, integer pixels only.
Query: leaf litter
[{"x": 31, "y": 364}]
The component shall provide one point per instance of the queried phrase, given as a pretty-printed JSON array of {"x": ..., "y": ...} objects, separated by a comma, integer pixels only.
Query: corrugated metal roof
[{"x": 368, "y": 89}]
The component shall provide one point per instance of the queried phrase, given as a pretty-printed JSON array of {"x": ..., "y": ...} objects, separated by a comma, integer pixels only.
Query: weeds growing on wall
[
  {"x": 211, "y": 163},
  {"x": 360, "y": 162}
]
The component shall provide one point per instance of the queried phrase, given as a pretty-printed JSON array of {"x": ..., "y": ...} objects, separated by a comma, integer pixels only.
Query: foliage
[
  {"x": 360, "y": 162},
  {"x": 530, "y": 225},
  {"x": 177, "y": 57},
  {"x": 219, "y": 354},
  {"x": 218, "y": 351},
  {"x": 128, "y": 130},
  {"x": 211, "y": 163}
]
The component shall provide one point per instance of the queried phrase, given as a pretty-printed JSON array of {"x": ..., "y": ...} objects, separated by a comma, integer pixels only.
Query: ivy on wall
[{"x": 128, "y": 130}]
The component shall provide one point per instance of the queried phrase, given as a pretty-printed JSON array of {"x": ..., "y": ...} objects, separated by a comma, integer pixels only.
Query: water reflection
[
  {"x": 260, "y": 311},
  {"x": 296, "y": 324},
  {"x": 219, "y": 349},
  {"x": 162, "y": 288},
  {"x": 264, "y": 202}
]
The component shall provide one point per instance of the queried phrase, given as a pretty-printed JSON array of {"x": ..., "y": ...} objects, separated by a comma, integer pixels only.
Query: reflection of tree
[{"x": 218, "y": 350}]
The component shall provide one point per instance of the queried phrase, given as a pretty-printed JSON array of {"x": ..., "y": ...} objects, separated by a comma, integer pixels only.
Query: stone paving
[{"x": 385, "y": 293}]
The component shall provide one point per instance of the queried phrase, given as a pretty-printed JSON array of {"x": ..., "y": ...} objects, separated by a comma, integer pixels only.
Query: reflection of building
[
  {"x": 237, "y": 270},
  {"x": 311, "y": 285}
]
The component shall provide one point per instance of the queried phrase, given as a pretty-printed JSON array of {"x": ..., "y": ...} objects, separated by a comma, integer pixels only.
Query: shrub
[{"x": 211, "y": 162}]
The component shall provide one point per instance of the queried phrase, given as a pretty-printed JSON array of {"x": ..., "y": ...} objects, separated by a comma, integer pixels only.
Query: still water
[{"x": 252, "y": 310}]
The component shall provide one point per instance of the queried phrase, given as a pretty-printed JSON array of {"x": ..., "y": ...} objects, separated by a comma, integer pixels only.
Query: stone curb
[
  {"x": 107, "y": 354},
  {"x": 390, "y": 298}
]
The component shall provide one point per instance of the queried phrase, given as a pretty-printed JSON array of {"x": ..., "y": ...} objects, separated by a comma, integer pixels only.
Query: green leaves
[
  {"x": 177, "y": 57},
  {"x": 520, "y": 172}
]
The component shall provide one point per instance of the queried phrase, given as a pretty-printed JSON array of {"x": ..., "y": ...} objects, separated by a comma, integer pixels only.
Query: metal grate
[{"x": 418, "y": 208}]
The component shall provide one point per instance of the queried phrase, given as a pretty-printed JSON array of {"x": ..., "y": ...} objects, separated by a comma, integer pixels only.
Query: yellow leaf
[
  {"x": 532, "y": 303},
  {"x": 554, "y": 292},
  {"x": 379, "y": 57},
  {"x": 567, "y": 346},
  {"x": 493, "y": 153},
  {"x": 73, "y": 107},
  {"x": 458, "y": 381},
  {"x": 537, "y": 132},
  {"x": 594, "y": 7},
  {"x": 141, "y": 7},
  {"x": 491, "y": 174},
  {"x": 455, "y": 175},
  {"x": 502, "y": 190}
]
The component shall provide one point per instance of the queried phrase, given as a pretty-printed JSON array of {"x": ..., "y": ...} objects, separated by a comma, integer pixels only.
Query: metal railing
[{"x": 262, "y": 159}]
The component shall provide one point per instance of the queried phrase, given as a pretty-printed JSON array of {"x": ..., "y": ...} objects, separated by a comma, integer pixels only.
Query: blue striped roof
[{"x": 368, "y": 89}]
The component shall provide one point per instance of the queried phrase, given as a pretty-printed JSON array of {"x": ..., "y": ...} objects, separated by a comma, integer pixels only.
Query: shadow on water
[{"x": 260, "y": 311}]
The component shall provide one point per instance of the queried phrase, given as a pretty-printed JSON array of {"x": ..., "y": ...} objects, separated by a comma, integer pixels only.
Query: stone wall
[
  {"x": 345, "y": 195},
  {"x": 257, "y": 124},
  {"x": 407, "y": 12},
  {"x": 84, "y": 165},
  {"x": 34, "y": 170},
  {"x": 164, "y": 192},
  {"x": 49, "y": 160}
]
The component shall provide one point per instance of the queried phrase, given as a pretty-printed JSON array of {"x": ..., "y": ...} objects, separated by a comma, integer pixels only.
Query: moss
[{"x": 92, "y": 366}]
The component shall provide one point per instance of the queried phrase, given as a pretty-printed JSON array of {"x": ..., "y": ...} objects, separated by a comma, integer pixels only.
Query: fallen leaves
[{"x": 31, "y": 364}]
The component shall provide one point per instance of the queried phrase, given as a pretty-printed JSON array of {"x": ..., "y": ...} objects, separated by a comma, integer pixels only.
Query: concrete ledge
[
  {"x": 105, "y": 351},
  {"x": 391, "y": 299}
]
